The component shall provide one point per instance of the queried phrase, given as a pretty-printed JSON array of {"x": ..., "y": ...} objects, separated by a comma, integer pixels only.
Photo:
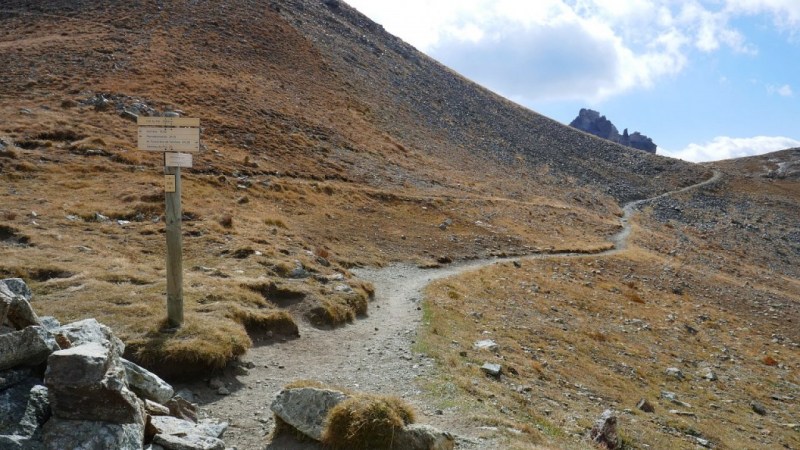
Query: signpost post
[{"x": 171, "y": 135}]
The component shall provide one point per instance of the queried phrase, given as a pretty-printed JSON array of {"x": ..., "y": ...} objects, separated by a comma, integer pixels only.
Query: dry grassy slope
[
  {"x": 707, "y": 285},
  {"x": 323, "y": 136}
]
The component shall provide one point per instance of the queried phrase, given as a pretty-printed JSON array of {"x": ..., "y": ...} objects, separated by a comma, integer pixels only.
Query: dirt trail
[{"x": 374, "y": 354}]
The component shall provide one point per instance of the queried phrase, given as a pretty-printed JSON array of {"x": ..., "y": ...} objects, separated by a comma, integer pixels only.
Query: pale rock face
[{"x": 306, "y": 408}]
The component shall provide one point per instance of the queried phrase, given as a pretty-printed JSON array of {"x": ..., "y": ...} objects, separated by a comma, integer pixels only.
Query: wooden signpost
[{"x": 171, "y": 135}]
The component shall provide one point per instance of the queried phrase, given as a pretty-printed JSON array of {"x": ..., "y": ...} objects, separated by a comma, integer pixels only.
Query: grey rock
[
  {"x": 50, "y": 323},
  {"x": 212, "y": 427},
  {"x": 181, "y": 408},
  {"x": 758, "y": 408},
  {"x": 667, "y": 395},
  {"x": 146, "y": 384},
  {"x": 87, "y": 382},
  {"x": 487, "y": 344},
  {"x": 185, "y": 394},
  {"x": 15, "y": 308},
  {"x": 645, "y": 406},
  {"x": 30, "y": 346},
  {"x": 492, "y": 369},
  {"x": 674, "y": 372},
  {"x": 702, "y": 442},
  {"x": 60, "y": 434},
  {"x": 189, "y": 442},
  {"x": 13, "y": 376},
  {"x": 710, "y": 375},
  {"x": 17, "y": 442},
  {"x": 171, "y": 114},
  {"x": 125, "y": 114},
  {"x": 17, "y": 286},
  {"x": 155, "y": 409},
  {"x": 223, "y": 391},
  {"x": 179, "y": 427},
  {"x": 23, "y": 408},
  {"x": 423, "y": 437},
  {"x": 305, "y": 409},
  {"x": 604, "y": 431},
  {"x": 90, "y": 330}
]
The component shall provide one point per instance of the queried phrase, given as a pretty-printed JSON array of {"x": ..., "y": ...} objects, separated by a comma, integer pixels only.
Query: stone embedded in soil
[
  {"x": 758, "y": 408},
  {"x": 645, "y": 406},
  {"x": 492, "y": 369},
  {"x": 674, "y": 372},
  {"x": 604, "y": 431},
  {"x": 487, "y": 344}
]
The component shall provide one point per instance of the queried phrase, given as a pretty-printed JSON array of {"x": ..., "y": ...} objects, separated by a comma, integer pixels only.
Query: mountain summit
[{"x": 592, "y": 122}]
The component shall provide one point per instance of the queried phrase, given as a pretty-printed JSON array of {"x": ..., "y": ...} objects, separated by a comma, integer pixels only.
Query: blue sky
[{"x": 706, "y": 80}]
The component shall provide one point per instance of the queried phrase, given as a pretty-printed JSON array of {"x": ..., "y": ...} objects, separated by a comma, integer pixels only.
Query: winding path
[{"x": 373, "y": 354}]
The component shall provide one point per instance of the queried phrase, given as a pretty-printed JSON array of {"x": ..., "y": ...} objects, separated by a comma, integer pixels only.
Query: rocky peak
[{"x": 592, "y": 122}]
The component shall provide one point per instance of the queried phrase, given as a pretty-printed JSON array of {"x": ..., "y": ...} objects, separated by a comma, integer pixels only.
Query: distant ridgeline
[{"x": 592, "y": 122}]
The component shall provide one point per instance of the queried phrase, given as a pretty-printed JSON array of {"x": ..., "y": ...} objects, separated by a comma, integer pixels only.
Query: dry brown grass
[
  {"x": 364, "y": 421},
  {"x": 579, "y": 335}
]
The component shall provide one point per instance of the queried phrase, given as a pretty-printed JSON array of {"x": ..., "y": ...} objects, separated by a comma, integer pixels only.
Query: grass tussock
[
  {"x": 260, "y": 322},
  {"x": 201, "y": 344},
  {"x": 366, "y": 422}
]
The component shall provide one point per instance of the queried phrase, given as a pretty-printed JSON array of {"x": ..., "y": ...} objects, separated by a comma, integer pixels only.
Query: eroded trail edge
[{"x": 373, "y": 354}]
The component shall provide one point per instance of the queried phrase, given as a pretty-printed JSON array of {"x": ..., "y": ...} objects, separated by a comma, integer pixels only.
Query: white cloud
[
  {"x": 586, "y": 50},
  {"x": 724, "y": 147},
  {"x": 783, "y": 91},
  {"x": 785, "y": 13}
]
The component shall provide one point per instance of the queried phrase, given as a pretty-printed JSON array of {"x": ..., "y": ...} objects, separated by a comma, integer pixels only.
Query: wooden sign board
[
  {"x": 178, "y": 159},
  {"x": 157, "y": 139},
  {"x": 168, "y": 122}
]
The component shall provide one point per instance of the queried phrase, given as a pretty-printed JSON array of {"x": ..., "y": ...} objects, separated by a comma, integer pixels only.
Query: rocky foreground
[{"x": 67, "y": 386}]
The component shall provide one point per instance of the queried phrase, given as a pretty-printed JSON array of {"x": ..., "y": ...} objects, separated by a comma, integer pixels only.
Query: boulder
[
  {"x": 87, "y": 382},
  {"x": 179, "y": 427},
  {"x": 90, "y": 330},
  {"x": 16, "y": 309},
  {"x": 146, "y": 384},
  {"x": 423, "y": 437},
  {"x": 305, "y": 409},
  {"x": 16, "y": 286},
  {"x": 188, "y": 442},
  {"x": 13, "y": 376},
  {"x": 24, "y": 408},
  {"x": 604, "y": 431},
  {"x": 60, "y": 434},
  {"x": 29, "y": 346}
]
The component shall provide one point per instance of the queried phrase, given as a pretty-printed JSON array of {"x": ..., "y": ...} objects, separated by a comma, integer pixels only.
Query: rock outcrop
[
  {"x": 592, "y": 122},
  {"x": 89, "y": 396}
]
